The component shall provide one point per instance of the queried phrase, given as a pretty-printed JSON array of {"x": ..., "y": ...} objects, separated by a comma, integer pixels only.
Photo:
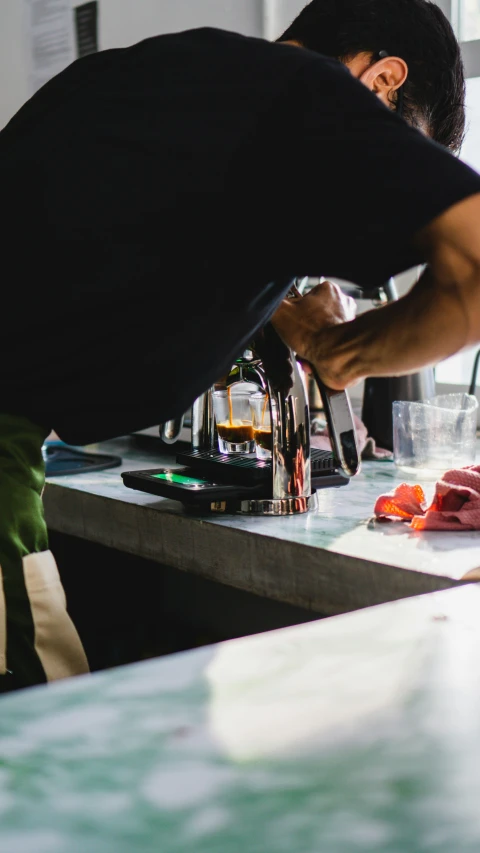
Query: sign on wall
[
  {"x": 86, "y": 28},
  {"x": 58, "y": 32}
]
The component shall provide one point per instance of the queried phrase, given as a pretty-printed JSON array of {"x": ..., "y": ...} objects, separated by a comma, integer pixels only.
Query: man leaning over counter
[{"x": 162, "y": 197}]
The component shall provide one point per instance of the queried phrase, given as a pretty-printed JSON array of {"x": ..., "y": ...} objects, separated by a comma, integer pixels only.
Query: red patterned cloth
[{"x": 455, "y": 506}]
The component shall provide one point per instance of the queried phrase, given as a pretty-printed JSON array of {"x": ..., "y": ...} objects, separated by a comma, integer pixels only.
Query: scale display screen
[{"x": 179, "y": 479}]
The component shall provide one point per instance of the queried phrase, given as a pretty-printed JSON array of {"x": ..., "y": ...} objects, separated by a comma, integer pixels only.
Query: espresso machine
[{"x": 286, "y": 483}]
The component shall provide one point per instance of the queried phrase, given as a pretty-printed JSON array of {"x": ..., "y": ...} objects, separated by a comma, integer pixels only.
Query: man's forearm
[
  {"x": 431, "y": 323},
  {"x": 440, "y": 315},
  {"x": 424, "y": 327}
]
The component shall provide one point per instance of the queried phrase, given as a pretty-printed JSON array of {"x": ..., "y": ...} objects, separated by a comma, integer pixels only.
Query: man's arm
[{"x": 439, "y": 316}]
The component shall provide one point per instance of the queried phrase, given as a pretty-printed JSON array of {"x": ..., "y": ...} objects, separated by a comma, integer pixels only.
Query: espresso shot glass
[
  {"x": 262, "y": 425},
  {"x": 231, "y": 408}
]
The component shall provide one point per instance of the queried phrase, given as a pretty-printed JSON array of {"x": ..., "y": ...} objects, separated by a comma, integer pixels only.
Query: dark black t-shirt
[{"x": 160, "y": 198}]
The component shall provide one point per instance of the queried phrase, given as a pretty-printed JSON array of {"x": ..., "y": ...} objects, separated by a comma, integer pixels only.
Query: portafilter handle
[
  {"x": 340, "y": 421},
  {"x": 341, "y": 426}
]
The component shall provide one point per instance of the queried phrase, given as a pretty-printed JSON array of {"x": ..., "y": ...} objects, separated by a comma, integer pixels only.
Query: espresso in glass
[
  {"x": 235, "y": 432},
  {"x": 262, "y": 424},
  {"x": 263, "y": 438},
  {"x": 233, "y": 419}
]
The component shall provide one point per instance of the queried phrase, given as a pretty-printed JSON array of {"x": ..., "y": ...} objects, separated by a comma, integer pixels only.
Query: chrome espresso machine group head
[
  {"x": 290, "y": 489},
  {"x": 283, "y": 485}
]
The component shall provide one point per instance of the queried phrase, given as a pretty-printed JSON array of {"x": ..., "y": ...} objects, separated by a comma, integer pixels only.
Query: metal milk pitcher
[{"x": 381, "y": 392}]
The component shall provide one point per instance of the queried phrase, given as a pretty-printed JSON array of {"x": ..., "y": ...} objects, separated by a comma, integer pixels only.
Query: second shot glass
[{"x": 262, "y": 425}]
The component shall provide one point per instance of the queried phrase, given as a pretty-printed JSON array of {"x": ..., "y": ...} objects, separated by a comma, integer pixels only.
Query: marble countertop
[
  {"x": 333, "y": 560},
  {"x": 348, "y": 735}
]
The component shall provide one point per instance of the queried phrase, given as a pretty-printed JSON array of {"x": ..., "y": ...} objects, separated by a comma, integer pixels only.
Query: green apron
[{"x": 38, "y": 641}]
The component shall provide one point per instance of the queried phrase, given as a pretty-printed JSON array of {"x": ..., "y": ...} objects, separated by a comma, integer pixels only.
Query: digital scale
[{"x": 212, "y": 480}]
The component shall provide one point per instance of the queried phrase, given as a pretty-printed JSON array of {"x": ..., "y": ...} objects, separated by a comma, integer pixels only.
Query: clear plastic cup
[
  {"x": 434, "y": 435},
  {"x": 262, "y": 425},
  {"x": 234, "y": 420}
]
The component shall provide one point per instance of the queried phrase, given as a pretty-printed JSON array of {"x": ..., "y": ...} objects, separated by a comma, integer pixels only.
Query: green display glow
[{"x": 181, "y": 479}]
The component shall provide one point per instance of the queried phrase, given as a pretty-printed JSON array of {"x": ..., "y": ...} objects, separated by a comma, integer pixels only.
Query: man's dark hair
[{"x": 415, "y": 30}]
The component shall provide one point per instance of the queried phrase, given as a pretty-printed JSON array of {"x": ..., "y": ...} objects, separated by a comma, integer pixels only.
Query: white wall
[
  {"x": 471, "y": 147},
  {"x": 128, "y": 21},
  {"x": 13, "y": 59},
  {"x": 284, "y": 13}
]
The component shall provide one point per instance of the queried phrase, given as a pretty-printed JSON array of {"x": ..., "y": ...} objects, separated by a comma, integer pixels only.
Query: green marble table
[
  {"x": 355, "y": 734},
  {"x": 331, "y": 561}
]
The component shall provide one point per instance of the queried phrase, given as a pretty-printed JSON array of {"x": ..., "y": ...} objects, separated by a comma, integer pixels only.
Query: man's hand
[
  {"x": 301, "y": 322},
  {"x": 438, "y": 317}
]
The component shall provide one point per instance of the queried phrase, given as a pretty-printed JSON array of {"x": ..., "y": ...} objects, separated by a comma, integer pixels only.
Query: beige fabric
[
  {"x": 3, "y": 628},
  {"x": 56, "y": 640}
]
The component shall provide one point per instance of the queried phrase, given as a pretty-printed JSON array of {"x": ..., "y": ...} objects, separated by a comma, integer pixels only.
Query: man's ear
[{"x": 385, "y": 77}]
